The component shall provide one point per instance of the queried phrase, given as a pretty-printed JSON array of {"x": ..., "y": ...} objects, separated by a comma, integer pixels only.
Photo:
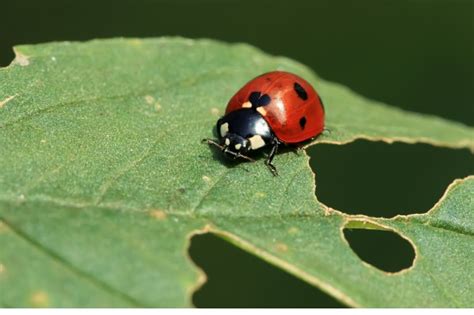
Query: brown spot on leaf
[
  {"x": 21, "y": 60},
  {"x": 293, "y": 230},
  {"x": 158, "y": 214},
  {"x": 281, "y": 247},
  {"x": 260, "y": 194},
  {"x": 39, "y": 299},
  {"x": 149, "y": 99},
  {"x": 3, "y": 227},
  {"x": 135, "y": 42},
  {"x": 157, "y": 106},
  {"x": 2, "y": 268}
]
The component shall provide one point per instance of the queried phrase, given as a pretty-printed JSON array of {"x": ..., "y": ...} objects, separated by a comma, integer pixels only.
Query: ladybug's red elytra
[{"x": 274, "y": 108}]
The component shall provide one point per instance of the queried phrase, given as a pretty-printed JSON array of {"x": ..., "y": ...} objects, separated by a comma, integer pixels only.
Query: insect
[{"x": 276, "y": 108}]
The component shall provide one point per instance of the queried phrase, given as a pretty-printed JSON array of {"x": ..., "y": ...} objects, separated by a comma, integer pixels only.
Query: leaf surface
[{"x": 104, "y": 180}]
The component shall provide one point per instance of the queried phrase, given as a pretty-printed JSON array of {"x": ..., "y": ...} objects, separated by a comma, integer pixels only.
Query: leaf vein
[{"x": 67, "y": 265}]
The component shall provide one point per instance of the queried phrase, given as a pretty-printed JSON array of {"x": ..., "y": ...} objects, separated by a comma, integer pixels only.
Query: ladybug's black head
[
  {"x": 240, "y": 132},
  {"x": 234, "y": 145}
]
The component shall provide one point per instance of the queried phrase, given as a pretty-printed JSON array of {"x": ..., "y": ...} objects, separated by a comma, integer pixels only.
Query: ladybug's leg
[
  {"x": 270, "y": 157},
  {"x": 237, "y": 155}
]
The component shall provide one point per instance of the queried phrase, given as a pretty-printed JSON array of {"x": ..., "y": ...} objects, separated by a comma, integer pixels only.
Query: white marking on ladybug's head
[
  {"x": 256, "y": 142},
  {"x": 224, "y": 129},
  {"x": 262, "y": 110},
  {"x": 247, "y": 105},
  {"x": 227, "y": 141},
  {"x": 237, "y": 146}
]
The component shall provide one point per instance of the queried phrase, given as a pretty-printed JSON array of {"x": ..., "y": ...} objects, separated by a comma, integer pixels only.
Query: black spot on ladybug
[
  {"x": 265, "y": 100},
  {"x": 300, "y": 91},
  {"x": 254, "y": 98},
  {"x": 257, "y": 99},
  {"x": 322, "y": 105},
  {"x": 302, "y": 122}
]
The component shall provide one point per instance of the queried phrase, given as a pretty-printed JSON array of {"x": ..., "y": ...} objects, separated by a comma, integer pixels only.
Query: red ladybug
[{"x": 272, "y": 109}]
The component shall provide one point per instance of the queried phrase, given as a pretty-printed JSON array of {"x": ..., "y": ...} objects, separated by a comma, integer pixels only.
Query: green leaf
[{"x": 104, "y": 180}]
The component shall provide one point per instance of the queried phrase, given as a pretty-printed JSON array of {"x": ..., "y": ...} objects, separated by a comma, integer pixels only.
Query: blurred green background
[{"x": 414, "y": 54}]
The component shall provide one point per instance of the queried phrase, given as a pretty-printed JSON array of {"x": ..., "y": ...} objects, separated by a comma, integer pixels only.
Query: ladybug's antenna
[
  {"x": 224, "y": 149},
  {"x": 210, "y": 141}
]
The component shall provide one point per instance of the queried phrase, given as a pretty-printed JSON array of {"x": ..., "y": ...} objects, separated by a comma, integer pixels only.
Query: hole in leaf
[
  {"x": 7, "y": 59},
  {"x": 385, "y": 250},
  {"x": 383, "y": 180},
  {"x": 236, "y": 278}
]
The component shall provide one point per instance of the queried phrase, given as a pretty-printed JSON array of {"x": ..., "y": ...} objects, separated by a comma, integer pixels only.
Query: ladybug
[{"x": 275, "y": 108}]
